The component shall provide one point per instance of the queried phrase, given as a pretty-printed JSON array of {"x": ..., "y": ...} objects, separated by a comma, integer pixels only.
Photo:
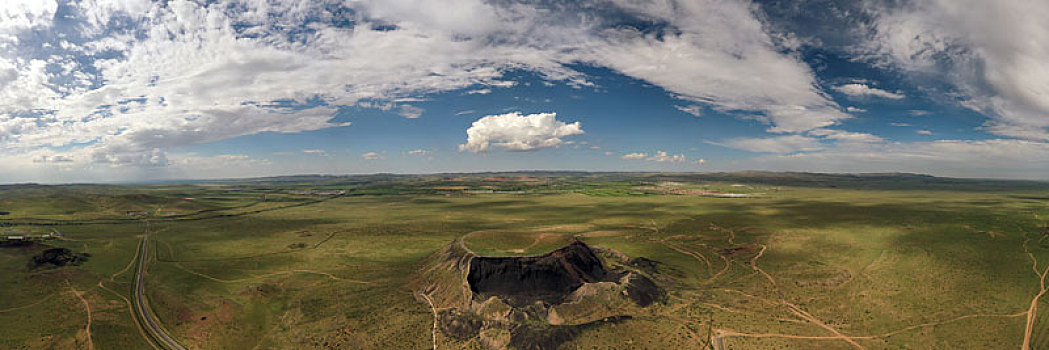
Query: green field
[{"x": 804, "y": 262}]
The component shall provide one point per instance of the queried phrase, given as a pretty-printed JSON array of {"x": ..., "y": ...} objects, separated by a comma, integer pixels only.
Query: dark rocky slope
[{"x": 549, "y": 277}]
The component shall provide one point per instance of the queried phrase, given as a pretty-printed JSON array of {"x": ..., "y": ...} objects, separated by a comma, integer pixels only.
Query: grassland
[{"x": 806, "y": 262}]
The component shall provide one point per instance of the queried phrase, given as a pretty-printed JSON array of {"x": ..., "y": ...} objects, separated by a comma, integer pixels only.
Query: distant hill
[
  {"x": 771, "y": 178},
  {"x": 803, "y": 179}
]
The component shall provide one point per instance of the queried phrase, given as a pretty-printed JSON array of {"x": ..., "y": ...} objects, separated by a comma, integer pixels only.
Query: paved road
[{"x": 143, "y": 313}]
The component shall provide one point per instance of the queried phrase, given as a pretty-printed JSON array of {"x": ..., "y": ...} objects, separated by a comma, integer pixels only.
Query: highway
[{"x": 143, "y": 314}]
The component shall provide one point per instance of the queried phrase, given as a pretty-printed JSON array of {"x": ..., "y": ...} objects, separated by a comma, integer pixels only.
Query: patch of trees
[{"x": 56, "y": 257}]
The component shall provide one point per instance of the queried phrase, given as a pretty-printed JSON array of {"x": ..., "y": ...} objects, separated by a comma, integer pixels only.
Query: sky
[{"x": 135, "y": 90}]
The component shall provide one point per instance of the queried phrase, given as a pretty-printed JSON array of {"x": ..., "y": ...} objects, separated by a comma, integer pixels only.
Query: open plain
[{"x": 789, "y": 261}]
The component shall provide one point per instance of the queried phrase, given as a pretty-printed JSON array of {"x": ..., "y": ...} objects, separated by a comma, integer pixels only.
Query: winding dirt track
[
  {"x": 1032, "y": 311},
  {"x": 754, "y": 266},
  {"x": 794, "y": 309},
  {"x": 696, "y": 255},
  {"x": 434, "y": 309},
  {"x": 87, "y": 307}
]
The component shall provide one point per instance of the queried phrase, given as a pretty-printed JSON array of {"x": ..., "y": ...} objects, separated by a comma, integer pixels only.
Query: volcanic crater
[
  {"x": 549, "y": 277},
  {"x": 533, "y": 301}
]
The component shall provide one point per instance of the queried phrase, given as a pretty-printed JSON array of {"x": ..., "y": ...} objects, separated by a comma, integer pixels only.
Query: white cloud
[
  {"x": 719, "y": 55},
  {"x": 845, "y": 136},
  {"x": 660, "y": 156},
  {"x": 479, "y": 92},
  {"x": 419, "y": 152},
  {"x": 862, "y": 90},
  {"x": 1016, "y": 130},
  {"x": 923, "y": 132},
  {"x": 663, "y": 157},
  {"x": 410, "y": 112},
  {"x": 154, "y": 158},
  {"x": 776, "y": 144},
  {"x": 992, "y": 52},
  {"x": 221, "y": 160},
  {"x": 187, "y": 75},
  {"x": 319, "y": 152},
  {"x": 714, "y": 52},
  {"x": 900, "y": 124},
  {"x": 17, "y": 16},
  {"x": 852, "y": 109},
  {"x": 516, "y": 132},
  {"x": 372, "y": 156},
  {"x": 694, "y": 110},
  {"x": 53, "y": 159},
  {"x": 631, "y": 156}
]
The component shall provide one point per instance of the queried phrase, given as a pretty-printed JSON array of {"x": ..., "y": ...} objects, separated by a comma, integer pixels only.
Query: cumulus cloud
[
  {"x": 862, "y": 90},
  {"x": 776, "y": 144},
  {"x": 372, "y": 156},
  {"x": 517, "y": 132},
  {"x": 852, "y": 109}
]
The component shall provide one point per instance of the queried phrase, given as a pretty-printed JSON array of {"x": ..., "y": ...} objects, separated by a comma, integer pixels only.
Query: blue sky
[{"x": 101, "y": 90}]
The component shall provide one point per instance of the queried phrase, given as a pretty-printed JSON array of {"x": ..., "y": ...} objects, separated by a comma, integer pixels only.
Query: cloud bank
[
  {"x": 991, "y": 53},
  {"x": 124, "y": 82}
]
